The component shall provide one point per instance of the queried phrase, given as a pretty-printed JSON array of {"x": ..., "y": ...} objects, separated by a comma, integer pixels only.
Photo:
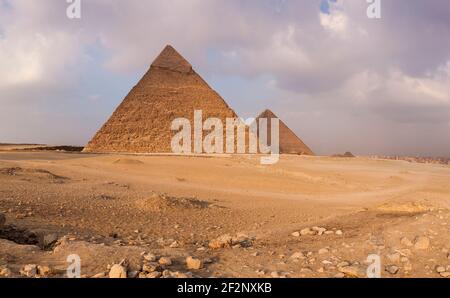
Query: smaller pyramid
[{"x": 290, "y": 143}]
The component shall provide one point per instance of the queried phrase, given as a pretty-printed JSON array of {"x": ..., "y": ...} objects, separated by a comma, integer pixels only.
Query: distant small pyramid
[
  {"x": 290, "y": 143},
  {"x": 170, "y": 89}
]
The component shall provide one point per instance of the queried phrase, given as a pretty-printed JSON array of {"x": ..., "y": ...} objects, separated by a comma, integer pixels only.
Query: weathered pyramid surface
[
  {"x": 290, "y": 143},
  {"x": 170, "y": 89}
]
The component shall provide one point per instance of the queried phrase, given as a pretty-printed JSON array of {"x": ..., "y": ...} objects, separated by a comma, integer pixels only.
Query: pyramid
[
  {"x": 170, "y": 89},
  {"x": 290, "y": 143}
]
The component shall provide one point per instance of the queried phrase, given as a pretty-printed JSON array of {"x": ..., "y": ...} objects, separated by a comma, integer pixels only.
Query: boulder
[
  {"x": 193, "y": 263},
  {"x": 118, "y": 271}
]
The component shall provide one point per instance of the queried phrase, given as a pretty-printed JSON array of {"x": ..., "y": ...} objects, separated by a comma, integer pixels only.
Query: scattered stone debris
[
  {"x": 226, "y": 241},
  {"x": 5, "y": 271},
  {"x": 29, "y": 270}
]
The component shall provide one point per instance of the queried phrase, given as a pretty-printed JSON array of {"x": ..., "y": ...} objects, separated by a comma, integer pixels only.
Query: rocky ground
[{"x": 161, "y": 216}]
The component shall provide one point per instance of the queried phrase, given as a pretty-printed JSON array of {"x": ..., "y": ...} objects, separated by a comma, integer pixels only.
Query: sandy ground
[{"x": 107, "y": 208}]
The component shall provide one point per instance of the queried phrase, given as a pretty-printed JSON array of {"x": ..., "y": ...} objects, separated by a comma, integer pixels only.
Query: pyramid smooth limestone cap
[{"x": 170, "y": 59}]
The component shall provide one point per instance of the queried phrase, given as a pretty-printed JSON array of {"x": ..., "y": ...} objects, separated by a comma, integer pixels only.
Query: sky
[{"x": 340, "y": 80}]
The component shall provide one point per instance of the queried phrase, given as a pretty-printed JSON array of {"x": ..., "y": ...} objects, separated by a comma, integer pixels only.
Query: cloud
[{"x": 325, "y": 60}]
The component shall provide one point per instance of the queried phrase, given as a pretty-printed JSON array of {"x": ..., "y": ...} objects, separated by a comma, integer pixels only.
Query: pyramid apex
[
  {"x": 267, "y": 114},
  {"x": 170, "y": 59}
]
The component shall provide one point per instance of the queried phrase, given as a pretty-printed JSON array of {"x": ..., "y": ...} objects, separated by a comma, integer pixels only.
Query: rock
[
  {"x": 5, "y": 271},
  {"x": 445, "y": 274},
  {"x": 47, "y": 240},
  {"x": 151, "y": 267},
  {"x": 339, "y": 275},
  {"x": 2, "y": 219},
  {"x": 422, "y": 243},
  {"x": 224, "y": 241},
  {"x": 275, "y": 274},
  {"x": 353, "y": 271},
  {"x": 343, "y": 264},
  {"x": 319, "y": 230},
  {"x": 339, "y": 232},
  {"x": 149, "y": 257},
  {"x": 166, "y": 273},
  {"x": 242, "y": 240},
  {"x": 297, "y": 255},
  {"x": 392, "y": 269},
  {"x": 44, "y": 270},
  {"x": 133, "y": 274},
  {"x": 448, "y": 257},
  {"x": 174, "y": 244},
  {"x": 307, "y": 232},
  {"x": 155, "y": 274},
  {"x": 165, "y": 261},
  {"x": 440, "y": 269},
  {"x": 295, "y": 234},
  {"x": 323, "y": 251},
  {"x": 406, "y": 242},
  {"x": 118, "y": 271},
  {"x": 193, "y": 263},
  {"x": 29, "y": 270}
]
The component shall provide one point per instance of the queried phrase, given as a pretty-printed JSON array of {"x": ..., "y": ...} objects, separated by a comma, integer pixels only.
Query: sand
[{"x": 111, "y": 207}]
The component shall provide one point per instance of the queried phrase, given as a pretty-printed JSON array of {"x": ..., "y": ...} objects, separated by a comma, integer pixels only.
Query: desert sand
[{"x": 303, "y": 217}]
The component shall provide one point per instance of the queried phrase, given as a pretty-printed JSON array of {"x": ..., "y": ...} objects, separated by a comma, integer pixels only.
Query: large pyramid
[
  {"x": 170, "y": 89},
  {"x": 290, "y": 143}
]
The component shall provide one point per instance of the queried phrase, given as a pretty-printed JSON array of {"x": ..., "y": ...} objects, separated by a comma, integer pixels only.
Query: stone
[
  {"x": 5, "y": 271},
  {"x": 193, "y": 263},
  {"x": 339, "y": 232},
  {"x": 47, "y": 240},
  {"x": 295, "y": 234},
  {"x": 445, "y": 274},
  {"x": 29, "y": 270},
  {"x": 118, "y": 271},
  {"x": 392, "y": 269},
  {"x": 343, "y": 264},
  {"x": 224, "y": 241},
  {"x": 307, "y": 232},
  {"x": 149, "y": 257},
  {"x": 406, "y": 242},
  {"x": 165, "y": 261},
  {"x": 155, "y": 274},
  {"x": 422, "y": 243},
  {"x": 353, "y": 271},
  {"x": 274, "y": 274},
  {"x": 319, "y": 230},
  {"x": 339, "y": 275},
  {"x": 175, "y": 244},
  {"x": 297, "y": 255},
  {"x": 440, "y": 269},
  {"x": 151, "y": 267},
  {"x": 44, "y": 270}
]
